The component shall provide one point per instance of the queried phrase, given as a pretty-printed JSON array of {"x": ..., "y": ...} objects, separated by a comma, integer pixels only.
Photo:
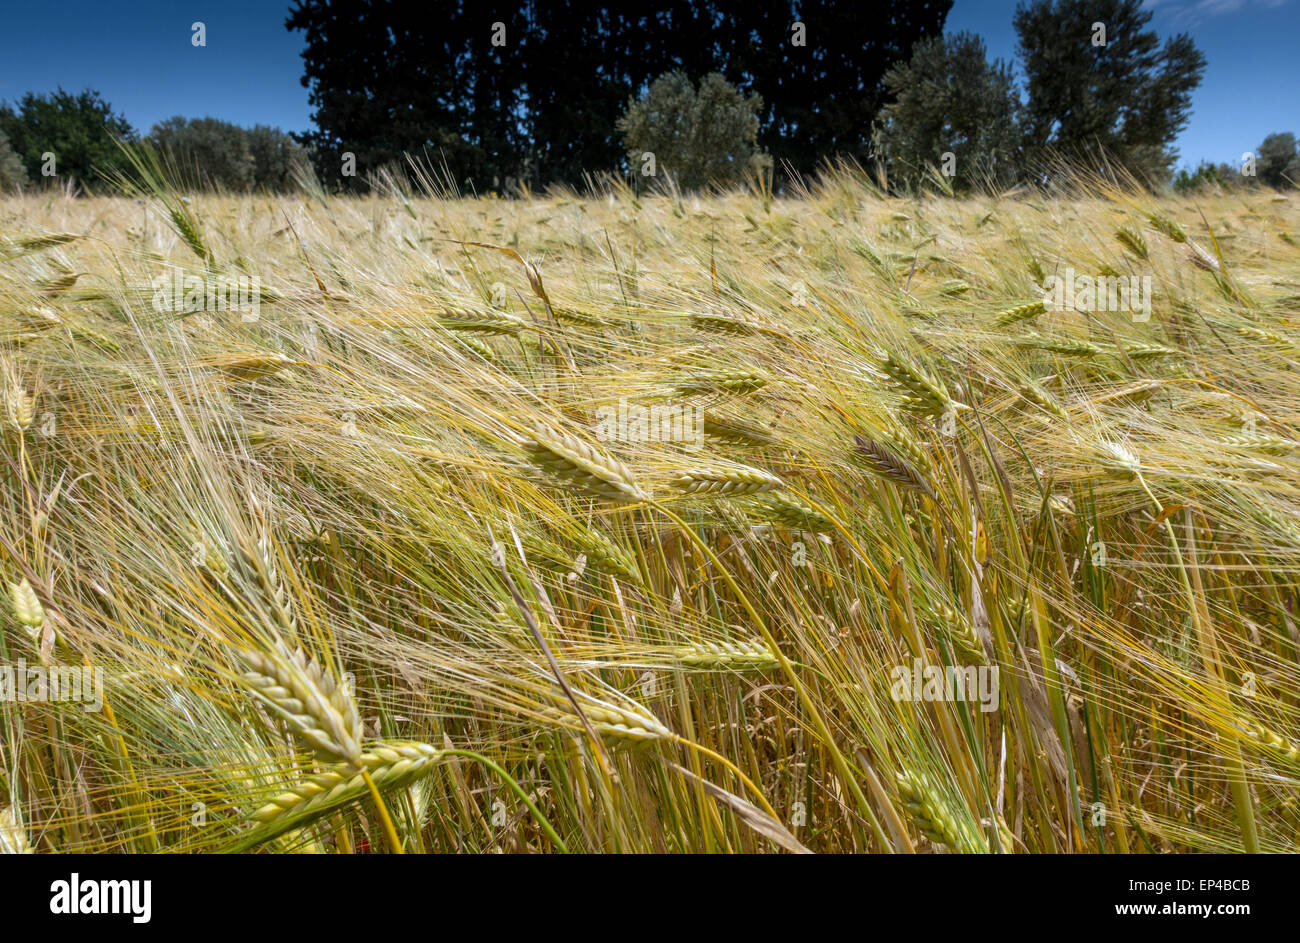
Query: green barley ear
[
  {"x": 1034, "y": 393},
  {"x": 963, "y": 636},
  {"x": 188, "y": 228},
  {"x": 931, "y": 815},
  {"x": 734, "y": 382},
  {"x": 314, "y": 704},
  {"x": 27, "y": 607},
  {"x": 1167, "y": 227},
  {"x": 13, "y": 836},
  {"x": 719, "y": 323},
  {"x": 784, "y": 508},
  {"x": 1060, "y": 345},
  {"x": 620, "y": 725},
  {"x": 891, "y": 466},
  {"x": 574, "y": 316},
  {"x": 750, "y": 654},
  {"x": 732, "y": 479},
  {"x": 1020, "y": 313},
  {"x": 1133, "y": 242},
  {"x": 735, "y": 432},
  {"x": 480, "y": 322},
  {"x": 583, "y": 465},
  {"x": 922, "y": 393},
  {"x": 1273, "y": 743},
  {"x": 391, "y": 764}
]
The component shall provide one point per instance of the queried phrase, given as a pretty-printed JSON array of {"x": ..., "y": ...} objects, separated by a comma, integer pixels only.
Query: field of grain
[{"x": 397, "y": 560}]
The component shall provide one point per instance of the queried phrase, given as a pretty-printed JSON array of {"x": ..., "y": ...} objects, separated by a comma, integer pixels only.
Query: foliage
[
  {"x": 949, "y": 99},
  {"x": 80, "y": 130},
  {"x": 699, "y": 137},
  {"x": 1125, "y": 100}
]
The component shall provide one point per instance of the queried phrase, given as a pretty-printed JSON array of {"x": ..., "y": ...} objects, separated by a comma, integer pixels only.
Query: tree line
[{"x": 507, "y": 97}]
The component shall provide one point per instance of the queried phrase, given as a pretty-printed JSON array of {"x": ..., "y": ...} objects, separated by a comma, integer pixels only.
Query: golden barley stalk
[
  {"x": 733, "y": 480},
  {"x": 316, "y": 706},
  {"x": 582, "y": 464}
]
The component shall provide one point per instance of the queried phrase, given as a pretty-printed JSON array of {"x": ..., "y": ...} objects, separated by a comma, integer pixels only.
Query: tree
[
  {"x": 533, "y": 91},
  {"x": 12, "y": 174},
  {"x": 821, "y": 94},
  {"x": 1207, "y": 175},
  {"x": 218, "y": 153},
  {"x": 206, "y": 151},
  {"x": 78, "y": 130},
  {"x": 948, "y": 99},
  {"x": 1277, "y": 162},
  {"x": 700, "y": 137},
  {"x": 1098, "y": 82}
]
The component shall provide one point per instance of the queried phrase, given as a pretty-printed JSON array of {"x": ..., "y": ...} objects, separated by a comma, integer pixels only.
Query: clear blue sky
[{"x": 139, "y": 55}]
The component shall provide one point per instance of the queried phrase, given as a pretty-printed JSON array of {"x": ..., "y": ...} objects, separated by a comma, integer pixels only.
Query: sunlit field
[{"x": 650, "y": 523}]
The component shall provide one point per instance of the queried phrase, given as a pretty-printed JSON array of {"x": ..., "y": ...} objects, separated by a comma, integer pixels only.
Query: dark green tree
[
  {"x": 948, "y": 99},
  {"x": 12, "y": 174},
  {"x": 1277, "y": 162},
  {"x": 79, "y": 130},
  {"x": 1119, "y": 94},
  {"x": 700, "y": 137},
  {"x": 211, "y": 152},
  {"x": 387, "y": 79}
]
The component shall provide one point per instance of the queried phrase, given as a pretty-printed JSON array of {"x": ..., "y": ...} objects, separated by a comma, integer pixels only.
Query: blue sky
[{"x": 140, "y": 56}]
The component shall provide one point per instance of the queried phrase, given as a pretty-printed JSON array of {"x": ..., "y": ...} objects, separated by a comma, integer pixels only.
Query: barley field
[{"x": 619, "y": 523}]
